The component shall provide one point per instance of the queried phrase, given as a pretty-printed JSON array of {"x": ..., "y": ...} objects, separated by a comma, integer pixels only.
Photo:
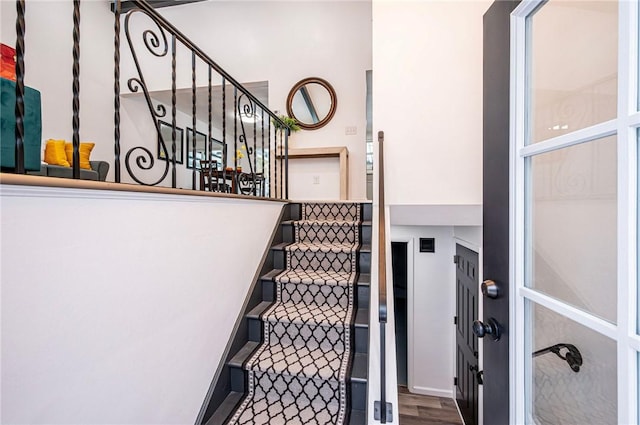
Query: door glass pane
[
  {"x": 580, "y": 389},
  {"x": 573, "y": 66},
  {"x": 571, "y": 232}
]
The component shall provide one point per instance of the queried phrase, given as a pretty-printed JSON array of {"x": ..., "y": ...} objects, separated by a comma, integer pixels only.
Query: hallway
[{"x": 416, "y": 409}]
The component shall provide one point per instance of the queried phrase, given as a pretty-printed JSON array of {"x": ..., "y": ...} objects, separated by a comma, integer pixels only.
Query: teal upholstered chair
[{"x": 32, "y": 126}]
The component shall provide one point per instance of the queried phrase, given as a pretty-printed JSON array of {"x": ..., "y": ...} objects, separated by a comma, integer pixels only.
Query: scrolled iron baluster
[
  {"x": 152, "y": 41},
  {"x": 141, "y": 162},
  {"x": 248, "y": 109}
]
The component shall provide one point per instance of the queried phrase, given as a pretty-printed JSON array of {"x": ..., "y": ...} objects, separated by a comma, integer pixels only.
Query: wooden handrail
[
  {"x": 382, "y": 409},
  {"x": 382, "y": 240}
]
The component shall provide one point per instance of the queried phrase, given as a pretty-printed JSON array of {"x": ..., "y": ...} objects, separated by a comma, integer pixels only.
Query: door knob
[
  {"x": 490, "y": 289},
  {"x": 492, "y": 327}
]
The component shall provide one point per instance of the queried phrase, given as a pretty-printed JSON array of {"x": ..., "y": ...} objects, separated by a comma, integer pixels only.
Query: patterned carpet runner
[{"x": 299, "y": 373}]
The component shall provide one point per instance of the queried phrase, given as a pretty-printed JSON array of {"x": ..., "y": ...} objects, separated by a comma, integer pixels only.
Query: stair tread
[
  {"x": 325, "y": 222},
  {"x": 243, "y": 354},
  {"x": 323, "y": 247},
  {"x": 316, "y": 277},
  {"x": 226, "y": 408},
  {"x": 259, "y": 309},
  {"x": 301, "y": 361},
  {"x": 364, "y": 279},
  {"x": 307, "y": 314},
  {"x": 362, "y": 318},
  {"x": 275, "y": 409},
  {"x": 281, "y": 246},
  {"x": 359, "y": 367},
  {"x": 271, "y": 274}
]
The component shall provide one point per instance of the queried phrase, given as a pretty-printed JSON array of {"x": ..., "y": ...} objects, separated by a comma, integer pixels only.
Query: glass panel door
[{"x": 574, "y": 211}]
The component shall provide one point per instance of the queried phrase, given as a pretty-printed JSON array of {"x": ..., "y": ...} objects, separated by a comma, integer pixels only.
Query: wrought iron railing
[
  {"x": 254, "y": 129},
  {"x": 567, "y": 352},
  {"x": 382, "y": 409}
]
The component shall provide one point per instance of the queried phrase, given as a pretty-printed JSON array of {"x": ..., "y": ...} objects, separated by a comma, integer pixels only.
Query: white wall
[
  {"x": 116, "y": 307},
  {"x": 430, "y": 309},
  {"x": 281, "y": 42},
  {"x": 48, "y": 68},
  {"x": 427, "y": 98},
  {"x": 306, "y": 172}
]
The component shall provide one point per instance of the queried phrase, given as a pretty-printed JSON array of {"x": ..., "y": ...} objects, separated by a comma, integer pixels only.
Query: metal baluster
[
  {"x": 209, "y": 143},
  {"x": 224, "y": 133},
  {"x": 286, "y": 164},
  {"x": 281, "y": 165},
  {"x": 271, "y": 159},
  {"x": 173, "y": 111},
  {"x": 255, "y": 146},
  {"x": 76, "y": 89},
  {"x": 262, "y": 189},
  {"x": 275, "y": 162},
  {"x": 19, "y": 109},
  {"x": 193, "y": 121},
  {"x": 235, "y": 139},
  {"x": 116, "y": 91}
]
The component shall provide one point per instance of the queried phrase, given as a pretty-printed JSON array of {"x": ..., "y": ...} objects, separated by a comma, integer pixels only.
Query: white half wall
[
  {"x": 427, "y": 98},
  {"x": 116, "y": 307}
]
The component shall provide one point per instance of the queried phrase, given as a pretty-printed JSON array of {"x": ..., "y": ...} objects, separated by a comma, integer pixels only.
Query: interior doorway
[{"x": 400, "y": 269}]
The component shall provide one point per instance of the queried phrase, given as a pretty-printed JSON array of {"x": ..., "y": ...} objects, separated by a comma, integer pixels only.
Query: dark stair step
[
  {"x": 363, "y": 261},
  {"x": 358, "y": 417},
  {"x": 358, "y": 381},
  {"x": 361, "y": 325},
  {"x": 362, "y": 287},
  {"x": 254, "y": 322},
  {"x": 226, "y": 408}
]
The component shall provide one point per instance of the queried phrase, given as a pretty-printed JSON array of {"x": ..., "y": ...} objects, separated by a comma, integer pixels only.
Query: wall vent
[{"x": 427, "y": 245}]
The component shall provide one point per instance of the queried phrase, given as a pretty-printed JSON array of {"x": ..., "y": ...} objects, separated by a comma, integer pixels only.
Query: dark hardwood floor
[{"x": 416, "y": 409}]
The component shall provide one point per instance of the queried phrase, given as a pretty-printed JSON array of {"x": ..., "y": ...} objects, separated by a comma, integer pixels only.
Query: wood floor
[{"x": 418, "y": 409}]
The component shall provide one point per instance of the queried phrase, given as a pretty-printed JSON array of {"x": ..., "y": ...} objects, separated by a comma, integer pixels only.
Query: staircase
[{"x": 306, "y": 358}]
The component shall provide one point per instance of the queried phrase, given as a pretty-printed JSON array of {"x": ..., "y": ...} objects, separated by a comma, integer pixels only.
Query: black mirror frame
[{"x": 332, "y": 94}]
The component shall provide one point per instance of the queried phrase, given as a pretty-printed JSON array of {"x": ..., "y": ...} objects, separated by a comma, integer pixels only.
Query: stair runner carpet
[{"x": 299, "y": 373}]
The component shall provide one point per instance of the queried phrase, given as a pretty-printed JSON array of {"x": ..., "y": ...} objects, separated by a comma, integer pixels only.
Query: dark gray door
[
  {"x": 466, "y": 340},
  {"x": 496, "y": 208}
]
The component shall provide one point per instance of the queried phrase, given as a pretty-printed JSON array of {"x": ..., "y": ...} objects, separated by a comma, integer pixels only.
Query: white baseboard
[{"x": 435, "y": 392}]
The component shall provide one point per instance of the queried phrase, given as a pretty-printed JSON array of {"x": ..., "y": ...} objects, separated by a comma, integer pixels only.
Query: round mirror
[{"x": 312, "y": 102}]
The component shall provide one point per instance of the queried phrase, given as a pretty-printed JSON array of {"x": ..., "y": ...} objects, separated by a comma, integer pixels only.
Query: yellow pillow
[
  {"x": 85, "y": 152},
  {"x": 54, "y": 153}
]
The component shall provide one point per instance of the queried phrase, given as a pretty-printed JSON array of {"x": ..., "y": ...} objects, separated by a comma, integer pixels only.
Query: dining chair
[
  {"x": 251, "y": 184},
  {"x": 210, "y": 177}
]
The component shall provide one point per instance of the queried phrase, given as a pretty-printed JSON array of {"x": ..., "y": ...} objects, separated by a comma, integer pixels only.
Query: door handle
[
  {"x": 490, "y": 289},
  {"x": 492, "y": 327}
]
